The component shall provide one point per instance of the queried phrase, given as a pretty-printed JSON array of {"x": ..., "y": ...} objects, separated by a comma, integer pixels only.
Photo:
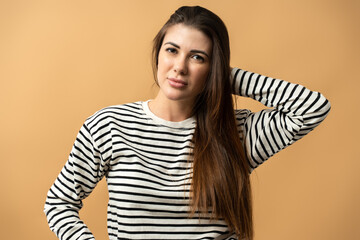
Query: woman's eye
[
  {"x": 171, "y": 50},
  {"x": 198, "y": 58}
]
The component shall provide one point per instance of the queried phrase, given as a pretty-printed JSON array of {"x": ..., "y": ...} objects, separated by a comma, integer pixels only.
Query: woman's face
[{"x": 183, "y": 63}]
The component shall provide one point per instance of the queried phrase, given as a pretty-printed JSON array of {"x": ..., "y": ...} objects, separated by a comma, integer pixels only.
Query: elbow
[
  {"x": 319, "y": 111},
  {"x": 325, "y": 107}
]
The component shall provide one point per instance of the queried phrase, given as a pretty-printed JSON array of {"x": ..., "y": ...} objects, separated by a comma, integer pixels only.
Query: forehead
[{"x": 188, "y": 38}]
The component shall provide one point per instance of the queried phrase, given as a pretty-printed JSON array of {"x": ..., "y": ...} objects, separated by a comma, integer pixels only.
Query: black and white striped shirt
[{"x": 145, "y": 160}]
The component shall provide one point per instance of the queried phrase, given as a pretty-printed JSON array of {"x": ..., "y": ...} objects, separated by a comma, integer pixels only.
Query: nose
[{"x": 180, "y": 65}]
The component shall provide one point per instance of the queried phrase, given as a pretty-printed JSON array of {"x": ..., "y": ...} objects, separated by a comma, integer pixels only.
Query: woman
[{"x": 178, "y": 166}]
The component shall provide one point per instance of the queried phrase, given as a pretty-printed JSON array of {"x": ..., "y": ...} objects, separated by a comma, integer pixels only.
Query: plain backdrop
[{"x": 60, "y": 61}]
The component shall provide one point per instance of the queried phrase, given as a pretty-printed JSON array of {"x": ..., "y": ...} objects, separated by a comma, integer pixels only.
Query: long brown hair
[{"x": 220, "y": 178}]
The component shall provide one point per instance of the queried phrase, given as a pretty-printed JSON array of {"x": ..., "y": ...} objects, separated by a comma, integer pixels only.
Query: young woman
[{"x": 178, "y": 166}]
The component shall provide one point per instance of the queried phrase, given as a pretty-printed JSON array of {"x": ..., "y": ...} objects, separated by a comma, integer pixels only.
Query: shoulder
[
  {"x": 114, "y": 113},
  {"x": 242, "y": 114},
  {"x": 127, "y": 108},
  {"x": 241, "y": 117}
]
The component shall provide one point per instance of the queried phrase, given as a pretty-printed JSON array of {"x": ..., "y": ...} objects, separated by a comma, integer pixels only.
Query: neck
[{"x": 170, "y": 110}]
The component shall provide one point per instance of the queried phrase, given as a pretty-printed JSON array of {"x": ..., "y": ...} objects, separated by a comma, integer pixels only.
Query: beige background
[{"x": 60, "y": 61}]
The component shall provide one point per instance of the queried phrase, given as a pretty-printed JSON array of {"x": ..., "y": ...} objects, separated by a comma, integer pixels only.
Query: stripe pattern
[
  {"x": 293, "y": 112},
  {"x": 145, "y": 160}
]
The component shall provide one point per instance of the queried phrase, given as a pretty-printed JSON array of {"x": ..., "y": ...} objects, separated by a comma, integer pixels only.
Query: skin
[{"x": 183, "y": 67}]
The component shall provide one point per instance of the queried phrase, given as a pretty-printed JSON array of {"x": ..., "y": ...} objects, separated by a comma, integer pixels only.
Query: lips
[{"x": 177, "y": 83}]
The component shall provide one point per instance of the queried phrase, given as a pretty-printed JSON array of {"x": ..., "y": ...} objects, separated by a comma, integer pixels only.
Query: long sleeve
[
  {"x": 293, "y": 112},
  {"x": 83, "y": 170}
]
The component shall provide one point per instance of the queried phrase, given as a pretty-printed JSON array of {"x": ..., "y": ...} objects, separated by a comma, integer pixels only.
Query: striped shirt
[{"x": 145, "y": 160}]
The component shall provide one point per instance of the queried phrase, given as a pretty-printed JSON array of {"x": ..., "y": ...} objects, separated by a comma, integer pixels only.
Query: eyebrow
[{"x": 193, "y": 50}]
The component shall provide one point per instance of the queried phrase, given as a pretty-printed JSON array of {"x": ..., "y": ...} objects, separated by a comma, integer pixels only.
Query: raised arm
[
  {"x": 294, "y": 112},
  {"x": 83, "y": 170}
]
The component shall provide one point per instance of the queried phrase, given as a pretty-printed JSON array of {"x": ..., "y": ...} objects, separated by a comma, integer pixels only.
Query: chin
[
  {"x": 174, "y": 95},
  {"x": 174, "y": 98}
]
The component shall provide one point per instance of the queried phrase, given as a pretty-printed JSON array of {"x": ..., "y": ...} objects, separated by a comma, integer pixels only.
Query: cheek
[
  {"x": 200, "y": 79},
  {"x": 163, "y": 61},
  {"x": 202, "y": 75},
  {"x": 160, "y": 68}
]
